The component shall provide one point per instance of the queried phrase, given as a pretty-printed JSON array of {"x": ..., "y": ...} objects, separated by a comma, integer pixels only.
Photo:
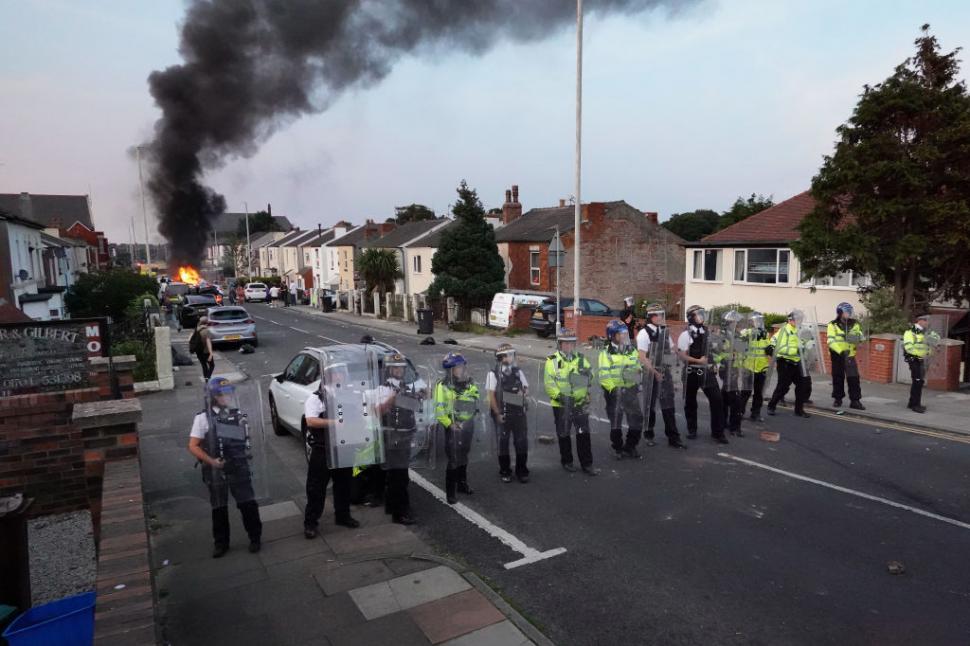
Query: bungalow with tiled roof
[{"x": 751, "y": 263}]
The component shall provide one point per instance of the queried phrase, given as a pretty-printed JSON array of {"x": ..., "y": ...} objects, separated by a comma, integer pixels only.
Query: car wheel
[
  {"x": 275, "y": 418},
  {"x": 307, "y": 449}
]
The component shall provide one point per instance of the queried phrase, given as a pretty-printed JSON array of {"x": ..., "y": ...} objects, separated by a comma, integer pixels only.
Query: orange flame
[{"x": 188, "y": 274}]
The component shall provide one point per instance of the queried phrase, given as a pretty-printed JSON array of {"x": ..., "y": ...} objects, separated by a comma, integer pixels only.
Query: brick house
[
  {"x": 347, "y": 249},
  {"x": 69, "y": 214},
  {"x": 624, "y": 251}
]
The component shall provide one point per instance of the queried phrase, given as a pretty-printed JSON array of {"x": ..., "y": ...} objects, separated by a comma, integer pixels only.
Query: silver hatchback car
[{"x": 231, "y": 324}]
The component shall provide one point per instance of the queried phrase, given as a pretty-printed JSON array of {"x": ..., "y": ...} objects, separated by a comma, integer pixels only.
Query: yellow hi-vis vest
[
  {"x": 565, "y": 377},
  {"x": 756, "y": 356},
  {"x": 786, "y": 343},
  {"x": 619, "y": 370},
  {"x": 842, "y": 337},
  {"x": 914, "y": 342},
  {"x": 450, "y": 406}
]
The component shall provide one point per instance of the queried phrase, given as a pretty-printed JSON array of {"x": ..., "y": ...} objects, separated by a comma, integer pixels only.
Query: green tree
[
  {"x": 893, "y": 201},
  {"x": 412, "y": 213},
  {"x": 693, "y": 225},
  {"x": 107, "y": 293},
  {"x": 467, "y": 265},
  {"x": 744, "y": 208},
  {"x": 379, "y": 269},
  {"x": 883, "y": 313},
  {"x": 259, "y": 222}
]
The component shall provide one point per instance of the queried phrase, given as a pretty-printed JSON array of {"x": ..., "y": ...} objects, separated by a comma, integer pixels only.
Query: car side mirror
[{"x": 279, "y": 377}]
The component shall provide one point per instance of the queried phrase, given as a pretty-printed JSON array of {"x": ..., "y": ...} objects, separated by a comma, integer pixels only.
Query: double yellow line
[{"x": 893, "y": 426}]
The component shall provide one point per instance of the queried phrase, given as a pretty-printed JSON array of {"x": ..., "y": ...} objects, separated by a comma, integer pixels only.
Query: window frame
[
  {"x": 743, "y": 252},
  {"x": 535, "y": 270},
  {"x": 718, "y": 275},
  {"x": 416, "y": 263}
]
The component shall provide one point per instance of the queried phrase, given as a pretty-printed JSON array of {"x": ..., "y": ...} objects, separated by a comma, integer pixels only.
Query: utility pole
[
  {"x": 249, "y": 251},
  {"x": 579, "y": 155},
  {"x": 144, "y": 213}
]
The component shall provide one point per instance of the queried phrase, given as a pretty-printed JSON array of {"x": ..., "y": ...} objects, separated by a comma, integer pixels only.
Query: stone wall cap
[{"x": 112, "y": 412}]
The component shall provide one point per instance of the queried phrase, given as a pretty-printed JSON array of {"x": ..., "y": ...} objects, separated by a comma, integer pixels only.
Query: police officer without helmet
[
  {"x": 916, "y": 348},
  {"x": 220, "y": 440},
  {"x": 693, "y": 347}
]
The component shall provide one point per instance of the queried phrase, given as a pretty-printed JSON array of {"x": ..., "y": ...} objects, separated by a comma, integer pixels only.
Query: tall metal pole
[
  {"x": 131, "y": 247},
  {"x": 558, "y": 291},
  {"x": 579, "y": 155},
  {"x": 249, "y": 250},
  {"x": 144, "y": 213}
]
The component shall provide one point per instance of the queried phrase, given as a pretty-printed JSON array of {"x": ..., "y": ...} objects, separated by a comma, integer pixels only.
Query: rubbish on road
[
  {"x": 450, "y": 342},
  {"x": 895, "y": 567},
  {"x": 367, "y": 339},
  {"x": 840, "y": 412},
  {"x": 428, "y": 340},
  {"x": 120, "y": 586},
  {"x": 770, "y": 436},
  {"x": 546, "y": 439},
  {"x": 246, "y": 348},
  {"x": 878, "y": 431},
  {"x": 165, "y": 563}
]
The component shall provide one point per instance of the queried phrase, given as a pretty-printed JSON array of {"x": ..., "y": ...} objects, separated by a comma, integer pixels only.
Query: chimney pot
[
  {"x": 652, "y": 216},
  {"x": 515, "y": 193},
  {"x": 562, "y": 202},
  {"x": 508, "y": 196}
]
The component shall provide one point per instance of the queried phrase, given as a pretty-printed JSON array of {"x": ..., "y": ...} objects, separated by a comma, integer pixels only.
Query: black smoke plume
[{"x": 252, "y": 65}]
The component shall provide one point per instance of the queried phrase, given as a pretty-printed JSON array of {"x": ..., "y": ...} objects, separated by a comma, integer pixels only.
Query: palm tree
[{"x": 379, "y": 269}]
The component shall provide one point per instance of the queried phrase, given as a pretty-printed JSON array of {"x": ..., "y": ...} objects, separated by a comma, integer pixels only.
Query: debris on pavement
[
  {"x": 895, "y": 567},
  {"x": 546, "y": 439},
  {"x": 770, "y": 436},
  {"x": 428, "y": 340},
  {"x": 450, "y": 342}
]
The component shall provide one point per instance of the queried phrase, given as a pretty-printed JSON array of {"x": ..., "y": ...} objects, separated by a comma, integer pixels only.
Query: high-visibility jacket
[
  {"x": 756, "y": 356},
  {"x": 844, "y": 336},
  {"x": 619, "y": 369},
  {"x": 567, "y": 377},
  {"x": 915, "y": 342},
  {"x": 453, "y": 405},
  {"x": 786, "y": 343}
]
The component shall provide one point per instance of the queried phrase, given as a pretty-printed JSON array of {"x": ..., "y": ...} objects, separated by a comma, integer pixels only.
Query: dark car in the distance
[
  {"x": 544, "y": 317},
  {"x": 193, "y": 306}
]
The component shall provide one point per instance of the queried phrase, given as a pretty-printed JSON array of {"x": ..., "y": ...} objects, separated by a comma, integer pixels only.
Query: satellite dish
[{"x": 23, "y": 275}]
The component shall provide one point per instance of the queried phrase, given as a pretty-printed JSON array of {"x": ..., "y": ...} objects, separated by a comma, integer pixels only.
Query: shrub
[
  {"x": 145, "y": 369},
  {"x": 882, "y": 312}
]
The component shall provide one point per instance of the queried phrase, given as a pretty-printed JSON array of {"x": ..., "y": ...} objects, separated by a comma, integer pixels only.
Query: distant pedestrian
[
  {"x": 232, "y": 295},
  {"x": 200, "y": 343},
  {"x": 274, "y": 295},
  {"x": 293, "y": 293}
]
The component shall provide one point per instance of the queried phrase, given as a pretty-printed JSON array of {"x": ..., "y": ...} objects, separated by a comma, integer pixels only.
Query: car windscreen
[
  {"x": 228, "y": 314},
  {"x": 203, "y": 299},
  {"x": 176, "y": 290}
]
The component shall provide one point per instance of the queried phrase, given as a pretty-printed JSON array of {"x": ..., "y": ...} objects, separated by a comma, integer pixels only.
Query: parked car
[
  {"x": 170, "y": 294},
  {"x": 544, "y": 317},
  {"x": 231, "y": 324},
  {"x": 256, "y": 292},
  {"x": 191, "y": 307},
  {"x": 214, "y": 290},
  {"x": 288, "y": 391}
]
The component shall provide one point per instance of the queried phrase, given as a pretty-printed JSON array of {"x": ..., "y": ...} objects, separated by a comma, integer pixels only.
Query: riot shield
[
  {"x": 755, "y": 359},
  {"x": 458, "y": 401},
  {"x": 809, "y": 342},
  {"x": 350, "y": 387},
  {"x": 575, "y": 389},
  {"x": 855, "y": 333},
  {"x": 508, "y": 391},
  {"x": 741, "y": 334},
  {"x": 407, "y": 421},
  {"x": 937, "y": 330},
  {"x": 235, "y": 436}
]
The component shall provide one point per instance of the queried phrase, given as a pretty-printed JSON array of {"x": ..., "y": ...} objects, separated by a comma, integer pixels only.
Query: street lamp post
[
  {"x": 249, "y": 251},
  {"x": 556, "y": 254},
  {"x": 579, "y": 152},
  {"x": 144, "y": 213}
]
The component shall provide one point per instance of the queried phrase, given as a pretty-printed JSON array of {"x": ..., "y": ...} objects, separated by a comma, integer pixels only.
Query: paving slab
[
  {"x": 376, "y": 539},
  {"x": 504, "y": 633},
  {"x": 291, "y": 548},
  {"x": 339, "y": 577},
  {"x": 408, "y": 565},
  {"x": 407, "y": 591},
  {"x": 276, "y": 511},
  {"x": 455, "y": 615},
  {"x": 393, "y": 630}
]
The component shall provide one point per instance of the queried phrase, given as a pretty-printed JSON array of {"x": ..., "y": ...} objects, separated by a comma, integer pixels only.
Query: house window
[
  {"x": 417, "y": 264},
  {"x": 761, "y": 266},
  {"x": 707, "y": 264},
  {"x": 534, "y": 270},
  {"x": 845, "y": 280}
]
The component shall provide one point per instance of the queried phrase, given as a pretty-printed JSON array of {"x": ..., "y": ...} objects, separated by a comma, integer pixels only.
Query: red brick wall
[
  {"x": 521, "y": 316},
  {"x": 875, "y": 358},
  {"x": 948, "y": 377},
  {"x": 520, "y": 275}
]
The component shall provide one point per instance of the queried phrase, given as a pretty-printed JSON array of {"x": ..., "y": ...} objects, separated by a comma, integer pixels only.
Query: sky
[{"x": 680, "y": 112}]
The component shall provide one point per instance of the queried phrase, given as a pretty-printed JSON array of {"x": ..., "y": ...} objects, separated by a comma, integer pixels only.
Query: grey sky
[{"x": 680, "y": 113}]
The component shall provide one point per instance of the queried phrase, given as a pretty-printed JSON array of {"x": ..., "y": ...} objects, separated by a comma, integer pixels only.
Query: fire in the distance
[{"x": 188, "y": 274}]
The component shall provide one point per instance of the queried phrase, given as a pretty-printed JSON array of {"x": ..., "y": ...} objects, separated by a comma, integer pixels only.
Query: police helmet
[
  {"x": 504, "y": 349},
  {"x": 694, "y": 309},
  {"x": 219, "y": 386},
  {"x": 614, "y": 326},
  {"x": 452, "y": 359},
  {"x": 566, "y": 336}
]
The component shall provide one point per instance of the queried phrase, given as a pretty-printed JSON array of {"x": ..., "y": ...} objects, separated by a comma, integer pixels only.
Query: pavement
[
  {"x": 946, "y": 411},
  {"x": 788, "y": 542},
  {"x": 379, "y": 584}
]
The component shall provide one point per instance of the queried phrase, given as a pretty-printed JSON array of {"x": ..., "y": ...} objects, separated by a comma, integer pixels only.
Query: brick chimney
[
  {"x": 562, "y": 203},
  {"x": 652, "y": 216},
  {"x": 26, "y": 207},
  {"x": 512, "y": 209}
]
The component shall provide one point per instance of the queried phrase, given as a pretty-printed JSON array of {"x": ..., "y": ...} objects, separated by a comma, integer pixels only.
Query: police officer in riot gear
[
  {"x": 788, "y": 350},
  {"x": 507, "y": 386},
  {"x": 629, "y": 317},
  {"x": 319, "y": 472},
  {"x": 620, "y": 374},
  {"x": 656, "y": 354},
  {"x": 693, "y": 347},
  {"x": 456, "y": 404},
  {"x": 220, "y": 440},
  {"x": 844, "y": 333},
  {"x": 917, "y": 341},
  {"x": 756, "y": 360},
  {"x": 399, "y": 426},
  {"x": 567, "y": 377}
]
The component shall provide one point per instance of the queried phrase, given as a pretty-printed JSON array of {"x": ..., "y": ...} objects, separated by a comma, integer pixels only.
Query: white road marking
[
  {"x": 529, "y": 554},
  {"x": 296, "y": 329},
  {"x": 327, "y": 338},
  {"x": 851, "y": 492},
  {"x": 598, "y": 419}
]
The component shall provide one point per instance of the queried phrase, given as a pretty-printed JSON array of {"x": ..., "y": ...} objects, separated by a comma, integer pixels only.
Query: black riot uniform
[
  {"x": 399, "y": 427},
  {"x": 701, "y": 377},
  {"x": 663, "y": 388},
  {"x": 509, "y": 393}
]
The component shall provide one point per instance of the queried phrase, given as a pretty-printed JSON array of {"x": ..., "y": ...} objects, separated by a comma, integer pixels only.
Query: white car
[
  {"x": 256, "y": 292},
  {"x": 300, "y": 379}
]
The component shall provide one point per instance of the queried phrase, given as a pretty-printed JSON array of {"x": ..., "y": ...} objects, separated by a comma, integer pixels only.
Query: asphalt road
[{"x": 696, "y": 547}]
